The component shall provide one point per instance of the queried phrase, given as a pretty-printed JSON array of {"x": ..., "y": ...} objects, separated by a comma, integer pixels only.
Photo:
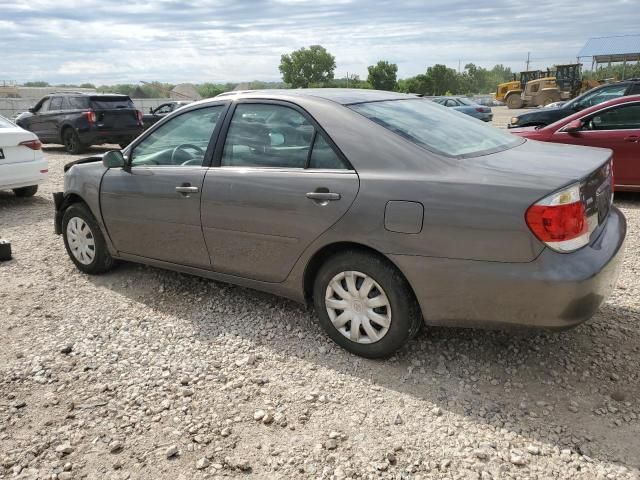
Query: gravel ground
[{"x": 149, "y": 374}]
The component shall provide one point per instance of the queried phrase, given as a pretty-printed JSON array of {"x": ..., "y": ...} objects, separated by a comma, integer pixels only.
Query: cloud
[{"x": 112, "y": 41}]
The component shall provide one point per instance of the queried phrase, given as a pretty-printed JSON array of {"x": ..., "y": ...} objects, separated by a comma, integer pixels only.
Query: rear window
[
  {"x": 437, "y": 128},
  {"x": 110, "y": 103},
  {"x": 4, "y": 123}
]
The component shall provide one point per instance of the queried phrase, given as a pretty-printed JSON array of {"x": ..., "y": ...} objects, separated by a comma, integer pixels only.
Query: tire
[
  {"x": 80, "y": 218},
  {"x": 25, "y": 191},
  {"x": 72, "y": 142},
  {"x": 514, "y": 101},
  {"x": 401, "y": 313},
  {"x": 546, "y": 100}
]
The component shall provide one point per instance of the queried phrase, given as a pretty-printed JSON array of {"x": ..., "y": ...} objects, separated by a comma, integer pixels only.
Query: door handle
[
  {"x": 323, "y": 196},
  {"x": 632, "y": 138},
  {"x": 187, "y": 189}
]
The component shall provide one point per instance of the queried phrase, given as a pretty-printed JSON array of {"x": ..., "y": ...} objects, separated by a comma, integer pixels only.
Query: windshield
[
  {"x": 4, "y": 123},
  {"x": 109, "y": 103},
  {"x": 437, "y": 128}
]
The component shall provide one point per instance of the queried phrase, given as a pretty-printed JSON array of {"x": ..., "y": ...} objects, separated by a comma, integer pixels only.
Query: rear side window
[
  {"x": 635, "y": 89},
  {"x": 266, "y": 135},
  {"x": 110, "y": 103},
  {"x": 56, "y": 103},
  {"x": 436, "y": 128},
  {"x": 77, "y": 103}
]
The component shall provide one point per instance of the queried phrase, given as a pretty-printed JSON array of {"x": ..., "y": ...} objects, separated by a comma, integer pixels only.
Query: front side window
[
  {"x": 44, "y": 106},
  {"x": 266, "y": 135},
  {"x": 182, "y": 141},
  {"x": 621, "y": 118},
  {"x": 56, "y": 103},
  {"x": 437, "y": 129}
]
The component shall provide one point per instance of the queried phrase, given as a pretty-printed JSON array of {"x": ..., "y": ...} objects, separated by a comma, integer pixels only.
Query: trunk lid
[
  {"x": 12, "y": 151},
  {"x": 114, "y": 112}
]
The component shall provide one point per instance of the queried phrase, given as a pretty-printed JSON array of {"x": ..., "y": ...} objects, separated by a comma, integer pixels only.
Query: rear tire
[
  {"x": 83, "y": 240},
  {"x": 71, "y": 141},
  {"x": 376, "y": 299},
  {"x": 514, "y": 101},
  {"x": 25, "y": 191}
]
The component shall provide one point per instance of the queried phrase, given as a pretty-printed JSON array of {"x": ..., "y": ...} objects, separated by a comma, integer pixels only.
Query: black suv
[
  {"x": 78, "y": 120},
  {"x": 546, "y": 116}
]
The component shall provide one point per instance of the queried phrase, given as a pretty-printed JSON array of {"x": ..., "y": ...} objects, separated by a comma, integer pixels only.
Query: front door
[
  {"x": 152, "y": 209},
  {"x": 39, "y": 122},
  {"x": 617, "y": 128},
  {"x": 279, "y": 185}
]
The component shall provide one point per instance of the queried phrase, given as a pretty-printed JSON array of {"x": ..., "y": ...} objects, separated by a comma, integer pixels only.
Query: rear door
[
  {"x": 152, "y": 209},
  {"x": 279, "y": 184},
  {"x": 617, "y": 128}
]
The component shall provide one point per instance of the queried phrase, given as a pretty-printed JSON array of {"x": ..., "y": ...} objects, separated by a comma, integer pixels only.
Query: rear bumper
[
  {"x": 23, "y": 174},
  {"x": 554, "y": 291},
  {"x": 96, "y": 137}
]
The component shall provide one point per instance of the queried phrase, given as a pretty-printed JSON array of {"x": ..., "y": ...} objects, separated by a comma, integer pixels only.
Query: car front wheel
[
  {"x": 83, "y": 240},
  {"x": 365, "y": 305}
]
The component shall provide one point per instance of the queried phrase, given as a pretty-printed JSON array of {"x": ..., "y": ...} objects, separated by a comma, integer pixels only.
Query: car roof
[
  {"x": 87, "y": 94},
  {"x": 343, "y": 96}
]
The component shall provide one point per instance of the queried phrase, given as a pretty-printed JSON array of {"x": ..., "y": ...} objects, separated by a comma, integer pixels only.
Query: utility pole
[
  {"x": 528, "y": 59},
  {"x": 459, "y": 66}
]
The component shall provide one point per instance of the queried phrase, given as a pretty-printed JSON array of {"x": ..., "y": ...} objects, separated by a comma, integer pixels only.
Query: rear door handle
[
  {"x": 632, "y": 138},
  {"x": 187, "y": 189},
  {"x": 324, "y": 196}
]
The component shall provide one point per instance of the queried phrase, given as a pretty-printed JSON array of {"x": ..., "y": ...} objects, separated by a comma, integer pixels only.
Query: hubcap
[
  {"x": 81, "y": 241},
  {"x": 358, "y": 307}
]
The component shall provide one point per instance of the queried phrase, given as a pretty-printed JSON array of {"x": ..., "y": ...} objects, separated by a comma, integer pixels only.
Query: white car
[{"x": 22, "y": 164}]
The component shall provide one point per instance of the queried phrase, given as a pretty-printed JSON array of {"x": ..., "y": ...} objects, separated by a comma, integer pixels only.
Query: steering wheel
[{"x": 184, "y": 147}]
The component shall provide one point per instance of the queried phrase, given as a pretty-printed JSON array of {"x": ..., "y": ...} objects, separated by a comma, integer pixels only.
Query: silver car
[{"x": 384, "y": 210}]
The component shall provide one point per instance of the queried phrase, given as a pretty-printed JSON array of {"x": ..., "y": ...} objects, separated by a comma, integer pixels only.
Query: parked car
[
  {"x": 614, "y": 124},
  {"x": 466, "y": 106},
  {"x": 380, "y": 208},
  {"x": 22, "y": 164},
  {"x": 79, "y": 120},
  {"x": 546, "y": 116},
  {"x": 160, "y": 112}
]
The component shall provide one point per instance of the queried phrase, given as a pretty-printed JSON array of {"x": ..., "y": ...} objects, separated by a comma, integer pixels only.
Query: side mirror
[
  {"x": 150, "y": 109},
  {"x": 113, "y": 159},
  {"x": 32, "y": 109},
  {"x": 573, "y": 126}
]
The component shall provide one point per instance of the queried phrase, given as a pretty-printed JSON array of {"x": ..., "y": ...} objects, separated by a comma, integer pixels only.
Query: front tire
[
  {"x": 25, "y": 191},
  {"x": 83, "y": 240},
  {"x": 514, "y": 101},
  {"x": 71, "y": 141},
  {"x": 365, "y": 305}
]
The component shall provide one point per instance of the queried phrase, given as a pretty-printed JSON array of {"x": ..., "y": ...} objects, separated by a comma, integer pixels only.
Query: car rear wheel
[
  {"x": 72, "y": 142},
  {"x": 26, "y": 191},
  {"x": 83, "y": 240},
  {"x": 365, "y": 305}
]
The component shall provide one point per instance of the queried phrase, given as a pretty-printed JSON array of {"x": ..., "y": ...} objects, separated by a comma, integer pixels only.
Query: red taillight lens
[
  {"x": 560, "y": 220},
  {"x": 90, "y": 116},
  {"x": 480, "y": 109},
  {"x": 557, "y": 223},
  {"x": 32, "y": 144},
  {"x": 139, "y": 115}
]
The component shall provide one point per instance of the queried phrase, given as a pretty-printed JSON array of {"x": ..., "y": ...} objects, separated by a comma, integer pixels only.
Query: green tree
[
  {"x": 313, "y": 65},
  {"x": 421, "y": 84},
  {"x": 444, "y": 79},
  {"x": 36, "y": 84},
  {"x": 383, "y": 75}
]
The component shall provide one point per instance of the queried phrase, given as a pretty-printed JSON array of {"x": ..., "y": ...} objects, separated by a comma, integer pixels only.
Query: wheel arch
[
  {"x": 331, "y": 249},
  {"x": 63, "y": 202}
]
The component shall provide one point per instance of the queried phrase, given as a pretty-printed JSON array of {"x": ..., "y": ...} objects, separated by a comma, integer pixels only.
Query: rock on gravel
[{"x": 156, "y": 364}]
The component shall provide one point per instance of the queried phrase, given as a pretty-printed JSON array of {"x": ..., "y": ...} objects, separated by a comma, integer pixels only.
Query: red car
[{"x": 614, "y": 124}]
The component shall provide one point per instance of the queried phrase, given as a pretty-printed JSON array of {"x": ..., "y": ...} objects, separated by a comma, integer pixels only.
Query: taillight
[
  {"x": 560, "y": 220},
  {"x": 139, "y": 115},
  {"x": 32, "y": 144},
  {"x": 90, "y": 116},
  {"x": 480, "y": 109}
]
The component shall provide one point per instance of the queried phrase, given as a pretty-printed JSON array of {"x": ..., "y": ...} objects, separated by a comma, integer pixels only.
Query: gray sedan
[
  {"x": 466, "y": 106},
  {"x": 384, "y": 210}
]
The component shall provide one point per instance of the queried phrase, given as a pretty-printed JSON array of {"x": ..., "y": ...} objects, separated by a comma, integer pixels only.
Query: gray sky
[{"x": 112, "y": 41}]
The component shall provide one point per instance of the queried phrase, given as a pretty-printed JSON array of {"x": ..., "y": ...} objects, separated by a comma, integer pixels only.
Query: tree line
[{"x": 315, "y": 67}]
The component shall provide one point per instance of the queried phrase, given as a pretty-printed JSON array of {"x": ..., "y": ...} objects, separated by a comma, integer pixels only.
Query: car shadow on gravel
[{"x": 575, "y": 389}]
